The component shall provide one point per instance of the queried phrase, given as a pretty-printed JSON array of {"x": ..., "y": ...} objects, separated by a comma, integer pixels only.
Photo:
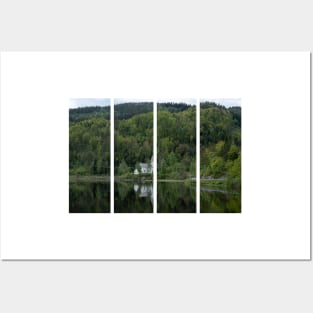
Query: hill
[
  {"x": 220, "y": 140},
  {"x": 121, "y": 111}
]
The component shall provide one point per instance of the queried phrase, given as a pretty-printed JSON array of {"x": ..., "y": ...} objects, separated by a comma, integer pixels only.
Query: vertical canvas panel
[
  {"x": 133, "y": 156},
  {"x": 89, "y": 156},
  {"x": 220, "y": 156},
  {"x": 176, "y": 149}
]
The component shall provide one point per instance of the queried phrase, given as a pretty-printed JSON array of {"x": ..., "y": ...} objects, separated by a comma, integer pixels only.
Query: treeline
[
  {"x": 127, "y": 110},
  {"x": 121, "y": 111},
  {"x": 172, "y": 107},
  {"x": 220, "y": 141},
  {"x": 176, "y": 141},
  {"x": 84, "y": 113}
]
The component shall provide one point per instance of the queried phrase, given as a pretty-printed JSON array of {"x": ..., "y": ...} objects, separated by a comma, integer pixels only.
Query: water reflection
[
  {"x": 173, "y": 197},
  {"x": 176, "y": 197},
  {"x": 133, "y": 198},
  {"x": 89, "y": 197},
  {"x": 219, "y": 201}
]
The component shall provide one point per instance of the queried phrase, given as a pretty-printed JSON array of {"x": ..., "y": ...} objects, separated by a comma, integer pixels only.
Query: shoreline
[
  {"x": 88, "y": 179},
  {"x": 96, "y": 178}
]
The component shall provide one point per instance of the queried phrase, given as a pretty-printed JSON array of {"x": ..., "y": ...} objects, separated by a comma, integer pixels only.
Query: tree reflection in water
[
  {"x": 219, "y": 201},
  {"x": 133, "y": 198},
  {"x": 89, "y": 197},
  {"x": 176, "y": 197}
]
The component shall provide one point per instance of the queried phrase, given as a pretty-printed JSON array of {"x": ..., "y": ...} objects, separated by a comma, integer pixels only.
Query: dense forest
[
  {"x": 123, "y": 111},
  {"x": 89, "y": 146},
  {"x": 176, "y": 141},
  {"x": 133, "y": 126},
  {"x": 89, "y": 138},
  {"x": 220, "y": 141},
  {"x": 85, "y": 113}
]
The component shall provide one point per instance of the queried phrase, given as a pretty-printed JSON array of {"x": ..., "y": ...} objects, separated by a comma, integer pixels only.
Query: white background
[
  {"x": 242, "y": 286},
  {"x": 275, "y": 93}
]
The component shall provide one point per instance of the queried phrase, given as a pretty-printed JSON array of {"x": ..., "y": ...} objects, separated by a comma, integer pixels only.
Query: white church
[{"x": 145, "y": 168}]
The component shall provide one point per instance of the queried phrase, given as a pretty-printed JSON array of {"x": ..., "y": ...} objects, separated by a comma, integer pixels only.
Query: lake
[
  {"x": 219, "y": 201},
  {"x": 131, "y": 197},
  {"x": 176, "y": 197},
  {"x": 89, "y": 197}
]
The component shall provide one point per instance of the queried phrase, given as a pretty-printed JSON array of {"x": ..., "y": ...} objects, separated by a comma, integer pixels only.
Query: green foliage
[
  {"x": 217, "y": 168},
  {"x": 89, "y": 147},
  {"x": 176, "y": 141},
  {"x": 234, "y": 168},
  {"x": 133, "y": 141},
  {"x": 173, "y": 107},
  {"x": 220, "y": 141},
  {"x": 121, "y": 111},
  {"x": 233, "y": 152},
  {"x": 79, "y": 171},
  {"x": 125, "y": 111},
  {"x": 85, "y": 113},
  {"x": 123, "y": 168},
  {"x": 89, "y": 138}
]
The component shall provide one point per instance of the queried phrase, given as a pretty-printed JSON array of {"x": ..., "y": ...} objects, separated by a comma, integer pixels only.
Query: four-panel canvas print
[
  {"x": 146, "y": 155},
  {"x": 170, "y": 168}
]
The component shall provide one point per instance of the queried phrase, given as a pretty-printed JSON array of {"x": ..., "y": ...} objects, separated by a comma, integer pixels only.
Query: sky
[
  {"x": 83, "y": 102},
  {"x": 88, "y": 102},
  {"x": 125, "y": 100},
  {"x": 229, "y": 102}
]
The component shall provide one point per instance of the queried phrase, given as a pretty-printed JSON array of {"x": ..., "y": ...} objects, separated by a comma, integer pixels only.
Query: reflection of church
[
  {"x": 144, "y": 191},
  {"x": 145, "y": 168}
]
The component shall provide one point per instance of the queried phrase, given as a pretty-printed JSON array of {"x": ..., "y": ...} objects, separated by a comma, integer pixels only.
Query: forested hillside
[
  {"x": 176, "y": 141},
  {"x": 89, "y": 138},
  {"x": 84, "y": 113},
  {"x": 220, "y": 141},
  {"x": 133, "y": 141},
  {"x": 121, "y": 111},
  {"x": 89, "y": 147},
  {"x": 124, "y": 111}
]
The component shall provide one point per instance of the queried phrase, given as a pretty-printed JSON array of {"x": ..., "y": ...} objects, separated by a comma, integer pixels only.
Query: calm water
[
  {"x": 219, "y": 201},
  {"x": 89, "y": 197},
  {"x": 173, "y": 197},
  {"x": 132, "y": 197},
  {"x": 176, "y": 197}
]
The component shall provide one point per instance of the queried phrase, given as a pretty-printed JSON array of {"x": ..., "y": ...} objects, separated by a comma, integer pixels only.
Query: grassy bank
[
  {"x": 217, "y": 183},
  {"x": 134, "y": 178}
]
